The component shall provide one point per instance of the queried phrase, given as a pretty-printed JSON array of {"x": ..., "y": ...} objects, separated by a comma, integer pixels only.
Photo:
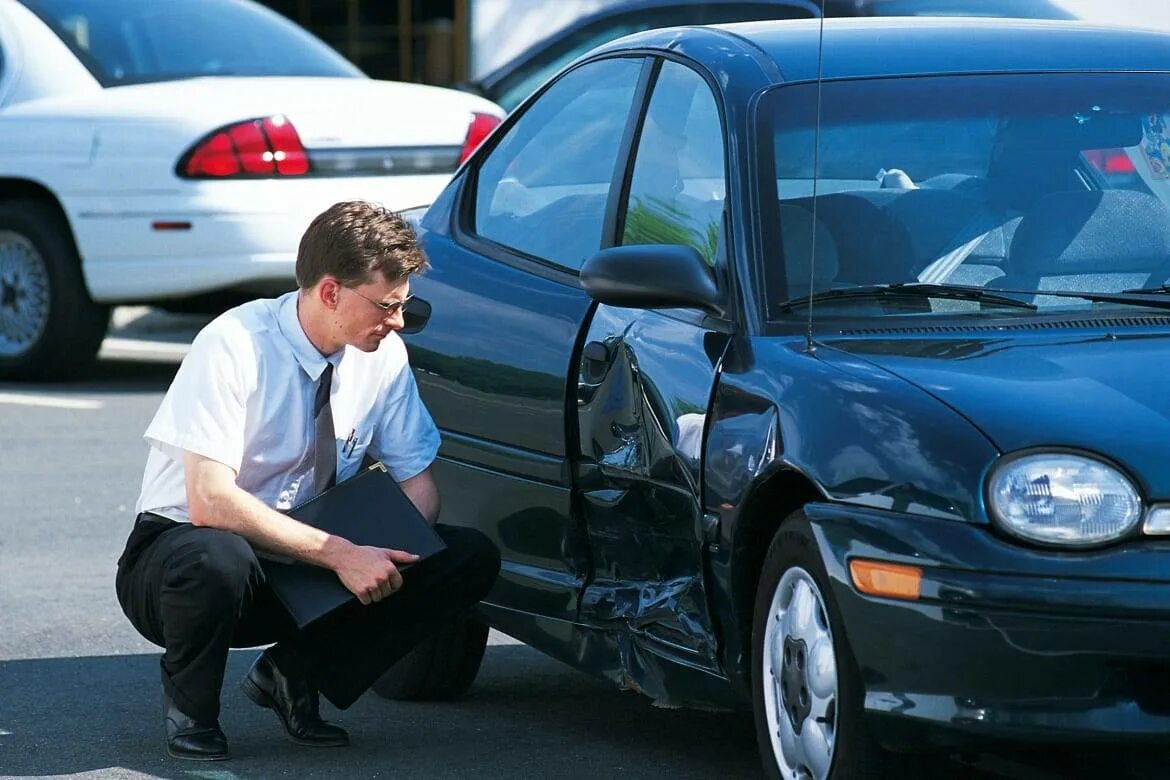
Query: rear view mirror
[
  {"x": 652, "y": 276},
  {"x": 415, "y": 315}
]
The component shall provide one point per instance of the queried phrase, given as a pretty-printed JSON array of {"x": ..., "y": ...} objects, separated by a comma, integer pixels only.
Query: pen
[{"x": 350, "y": 442}]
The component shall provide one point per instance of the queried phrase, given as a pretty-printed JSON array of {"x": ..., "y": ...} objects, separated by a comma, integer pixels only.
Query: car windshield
[
  {"x": 1022, "y": 184},
  {"x": 139, "y": 41}
]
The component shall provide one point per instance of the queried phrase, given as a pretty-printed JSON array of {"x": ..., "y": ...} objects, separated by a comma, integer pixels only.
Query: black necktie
[{"x": 325, "y": 441}]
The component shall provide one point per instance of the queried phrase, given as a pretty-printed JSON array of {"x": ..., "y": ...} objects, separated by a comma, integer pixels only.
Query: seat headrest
[
  {"x": 872, "y": 246},
  {"x": 1075, "y": 232},
  {"x": 796, "y": 231}
]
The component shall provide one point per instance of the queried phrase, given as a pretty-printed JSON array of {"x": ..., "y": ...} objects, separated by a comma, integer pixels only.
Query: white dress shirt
[{"x": 243, "y": 396}]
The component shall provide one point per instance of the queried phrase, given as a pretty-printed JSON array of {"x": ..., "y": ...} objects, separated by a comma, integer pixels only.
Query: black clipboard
[{"x": 368, "y": 509}]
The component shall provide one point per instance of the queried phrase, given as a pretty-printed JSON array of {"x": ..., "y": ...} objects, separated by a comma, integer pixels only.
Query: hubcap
[
  {"x": 800, "y": 679},
  {"x": 24, "y": 294}
]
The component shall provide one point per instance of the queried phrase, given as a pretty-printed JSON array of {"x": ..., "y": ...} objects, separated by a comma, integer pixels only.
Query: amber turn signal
[{"x": 893, "y": 580}]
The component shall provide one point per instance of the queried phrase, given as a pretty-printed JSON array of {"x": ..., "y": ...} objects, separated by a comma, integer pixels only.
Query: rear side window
[
  {"x": 678, "y": 188},
  {"x": 139, "y": 41},
  {"x": 542, "y": 191}
]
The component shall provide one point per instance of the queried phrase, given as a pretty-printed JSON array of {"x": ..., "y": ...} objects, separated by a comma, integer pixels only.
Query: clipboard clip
[{"x": 377, "y": 466}]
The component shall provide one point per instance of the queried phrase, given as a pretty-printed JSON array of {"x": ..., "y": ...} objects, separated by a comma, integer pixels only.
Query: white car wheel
[
  {"x": 24, "y": 294},
  {"x": 49, "y": 326}
]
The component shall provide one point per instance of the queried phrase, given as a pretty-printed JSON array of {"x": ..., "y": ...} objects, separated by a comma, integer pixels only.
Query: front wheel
[
  {"x": 441, "y": 667},
  {"x": 807, "y": 692}
]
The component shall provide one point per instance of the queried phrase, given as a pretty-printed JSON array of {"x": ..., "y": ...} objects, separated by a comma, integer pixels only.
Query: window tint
[
  {"x": 678, "y": 188},
  {"x": 543, "y": 189},
  {"x": 136, "y": 41}
]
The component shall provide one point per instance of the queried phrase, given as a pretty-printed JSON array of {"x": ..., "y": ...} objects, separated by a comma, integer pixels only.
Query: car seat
[{"x": 1104, "y": 241}]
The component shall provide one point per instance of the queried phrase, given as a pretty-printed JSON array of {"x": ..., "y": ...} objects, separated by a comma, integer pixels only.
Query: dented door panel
[{"x": 644, "y": 387}]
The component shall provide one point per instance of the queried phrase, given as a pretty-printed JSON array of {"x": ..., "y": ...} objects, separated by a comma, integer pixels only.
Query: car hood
[
  {"x": 327, "y": 112},
  {"x": 1101, "y": 392}
]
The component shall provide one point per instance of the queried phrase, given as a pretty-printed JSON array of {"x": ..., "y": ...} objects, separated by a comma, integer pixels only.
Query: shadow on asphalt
[
  {"x": 112, "y": 375},
  {"x": 109, "y": 375},
  {"x": 526, "y": 716}
]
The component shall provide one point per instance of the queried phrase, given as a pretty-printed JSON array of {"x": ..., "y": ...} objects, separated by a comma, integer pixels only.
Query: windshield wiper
[
  {"x": 1136, "y": 297},
  {"x": 914, "y": 290},
  {"x": 1161, "y": 289},
  {"x": 1152, "y": 297}
]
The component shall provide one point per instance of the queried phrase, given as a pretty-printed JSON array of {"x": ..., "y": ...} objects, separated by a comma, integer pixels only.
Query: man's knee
[{"x": 219, "y": 566}]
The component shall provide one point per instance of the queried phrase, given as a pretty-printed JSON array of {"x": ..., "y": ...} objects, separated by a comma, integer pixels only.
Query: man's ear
[{"x": 328, "y": 292}]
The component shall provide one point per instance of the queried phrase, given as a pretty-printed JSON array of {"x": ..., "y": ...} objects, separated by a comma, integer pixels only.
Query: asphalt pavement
[{"x": 79, "y": 689}]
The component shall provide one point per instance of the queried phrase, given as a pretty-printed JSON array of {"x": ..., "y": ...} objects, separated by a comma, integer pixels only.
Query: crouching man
[{"x": 276, "y": 400}]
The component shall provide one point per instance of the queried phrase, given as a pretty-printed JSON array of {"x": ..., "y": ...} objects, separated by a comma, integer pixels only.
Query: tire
[
  {"x": 802, "y": 664},
  {"x": 442, "y": 667},
  {"x": 50, "y": 328}
]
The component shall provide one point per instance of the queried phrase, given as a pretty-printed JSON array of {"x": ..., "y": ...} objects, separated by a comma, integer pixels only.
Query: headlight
[{"x": 1062, "y": 499}]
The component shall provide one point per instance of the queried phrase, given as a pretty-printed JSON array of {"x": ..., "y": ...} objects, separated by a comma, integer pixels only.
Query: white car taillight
[
  {"x": 256, "y": 148},
  {"x": 481, "y": 126}
]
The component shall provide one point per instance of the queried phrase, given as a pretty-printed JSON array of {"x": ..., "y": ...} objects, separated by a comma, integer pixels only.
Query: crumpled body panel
[{"x": 640, "y": 490}]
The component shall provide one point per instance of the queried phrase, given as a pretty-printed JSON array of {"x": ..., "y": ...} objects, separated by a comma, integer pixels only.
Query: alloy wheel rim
[
  {"x": 24, "y": 294},
  {"x": 799, "y": 679}
]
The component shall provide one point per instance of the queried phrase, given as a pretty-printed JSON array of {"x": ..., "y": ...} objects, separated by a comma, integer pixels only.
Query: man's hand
[{"x": 370, "y": 573}]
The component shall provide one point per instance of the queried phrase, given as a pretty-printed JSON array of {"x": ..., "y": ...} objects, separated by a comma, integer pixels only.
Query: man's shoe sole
[
  {"x": 261, "y": 698},
  {"x": 198, "y": 757}
]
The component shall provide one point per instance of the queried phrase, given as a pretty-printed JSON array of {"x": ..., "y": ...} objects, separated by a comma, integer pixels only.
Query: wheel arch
[
  {"x": 774, "y": 497},
  {"x": 15, "y": 188}
]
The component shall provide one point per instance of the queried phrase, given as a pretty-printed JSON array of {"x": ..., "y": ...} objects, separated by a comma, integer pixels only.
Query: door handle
[{"x": 594, "y": 362}]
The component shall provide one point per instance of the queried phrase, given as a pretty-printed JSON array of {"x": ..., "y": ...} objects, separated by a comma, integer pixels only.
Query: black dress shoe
[
  {"x": 295, "y": 702},
  {"x": 188, "y": 738}
]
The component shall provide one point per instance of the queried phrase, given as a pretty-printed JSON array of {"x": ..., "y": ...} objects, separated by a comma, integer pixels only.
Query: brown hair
[{"x": 352, "y": 240}]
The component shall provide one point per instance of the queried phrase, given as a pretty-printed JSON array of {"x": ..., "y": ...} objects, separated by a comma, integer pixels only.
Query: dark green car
[{"x": 828, "y": 381}]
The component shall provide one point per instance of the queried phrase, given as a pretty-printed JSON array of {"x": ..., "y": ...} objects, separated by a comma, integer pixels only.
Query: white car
[{"x": 156, "y": 151}]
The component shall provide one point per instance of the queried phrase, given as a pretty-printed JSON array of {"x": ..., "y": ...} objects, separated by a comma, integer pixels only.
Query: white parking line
[
  {"x": 114, "y": 347},
  {"x": 54, "y": 402}
]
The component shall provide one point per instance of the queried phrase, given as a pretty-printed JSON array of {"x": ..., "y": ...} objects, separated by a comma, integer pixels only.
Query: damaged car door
[{"x": 644, "y": 388}]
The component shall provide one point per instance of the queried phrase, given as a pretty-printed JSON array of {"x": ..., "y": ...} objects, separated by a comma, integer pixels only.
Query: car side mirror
[
  {"x": 652, "y": 276},
  {"x": 415, "y": 315}
]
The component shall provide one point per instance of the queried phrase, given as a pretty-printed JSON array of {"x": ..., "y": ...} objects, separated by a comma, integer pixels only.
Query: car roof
[
  {"x": 901, "y": 46},
  {"x": 617, "y": 9}
]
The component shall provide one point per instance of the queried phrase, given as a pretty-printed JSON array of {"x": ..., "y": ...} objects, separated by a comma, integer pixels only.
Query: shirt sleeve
[
  {"x": 405, "y": 438},
  {"x": 205, "y": 408}
]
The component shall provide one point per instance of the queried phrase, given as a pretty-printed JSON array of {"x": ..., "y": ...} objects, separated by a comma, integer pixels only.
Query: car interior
[{"x": 1059, "y": 205}]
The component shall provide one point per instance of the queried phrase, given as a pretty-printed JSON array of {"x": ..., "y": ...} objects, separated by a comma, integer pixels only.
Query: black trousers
[{"x": 197, "y": 592}]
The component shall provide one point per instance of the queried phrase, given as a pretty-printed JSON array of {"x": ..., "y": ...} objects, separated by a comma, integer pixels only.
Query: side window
[
  {"x": 542, "y": 190},
  {"x": 679, "y": 183}
]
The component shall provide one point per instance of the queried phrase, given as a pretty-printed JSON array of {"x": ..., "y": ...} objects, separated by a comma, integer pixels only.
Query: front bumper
[
  {"x": 1006, "y": 641},
  {"x": 242, "y": 235}
]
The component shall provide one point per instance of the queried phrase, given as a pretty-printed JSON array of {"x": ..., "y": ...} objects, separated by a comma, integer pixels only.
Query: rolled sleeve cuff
[
  {"x": 174, "y": 445},
  {"x": 403, "y": 466}
]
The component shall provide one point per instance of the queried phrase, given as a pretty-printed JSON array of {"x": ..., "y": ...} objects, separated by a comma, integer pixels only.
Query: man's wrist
[{"x": 333, "y": 551}]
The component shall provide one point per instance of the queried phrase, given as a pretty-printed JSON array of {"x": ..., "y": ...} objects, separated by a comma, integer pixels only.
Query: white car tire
[
  {"x": 807, "y": 691},
  {"x": 49, "y": 326}
]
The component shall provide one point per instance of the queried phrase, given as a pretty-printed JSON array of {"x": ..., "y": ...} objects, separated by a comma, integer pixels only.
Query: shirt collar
[{"x": 312, "y": 361}]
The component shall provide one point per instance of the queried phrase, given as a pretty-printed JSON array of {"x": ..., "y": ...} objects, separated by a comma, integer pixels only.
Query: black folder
[{"x": 369, "y": 509}]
